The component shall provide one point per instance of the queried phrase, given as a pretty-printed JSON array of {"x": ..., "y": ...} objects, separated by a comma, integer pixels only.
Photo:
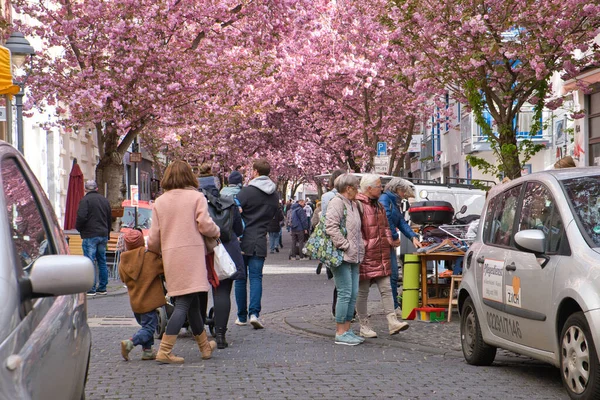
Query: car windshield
[
  {"x": 144, "y": 218},
  {"x": 584, "y": 195}
]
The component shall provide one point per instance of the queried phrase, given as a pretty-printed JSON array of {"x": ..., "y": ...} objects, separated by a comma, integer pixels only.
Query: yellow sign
[{"x": 6, "y": 82}]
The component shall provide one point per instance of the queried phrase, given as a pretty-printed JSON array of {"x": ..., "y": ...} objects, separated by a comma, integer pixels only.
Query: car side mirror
[
  {"x": 57, "y": 275},
  {"x": 533, "y": 241}
]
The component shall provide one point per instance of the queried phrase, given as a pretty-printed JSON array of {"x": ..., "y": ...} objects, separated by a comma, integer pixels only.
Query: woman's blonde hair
[{"x": 178, "y": 175}]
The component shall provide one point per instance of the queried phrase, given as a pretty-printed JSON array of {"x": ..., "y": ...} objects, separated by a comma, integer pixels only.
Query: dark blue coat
[
  {"x": 395, "y": 218},
  {"x": 299, "y": 218}
]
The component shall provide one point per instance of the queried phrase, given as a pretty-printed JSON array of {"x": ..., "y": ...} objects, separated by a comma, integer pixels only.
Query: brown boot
[
  {"x": 206, "y": 347},
  {"x": 164, "y": 351}
]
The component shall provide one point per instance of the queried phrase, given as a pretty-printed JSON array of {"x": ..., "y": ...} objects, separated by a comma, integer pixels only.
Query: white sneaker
[
  {"x": 240, "y": 323},
  {"x": 255, "y": 322},
  {"x": 366, "y": 331}
]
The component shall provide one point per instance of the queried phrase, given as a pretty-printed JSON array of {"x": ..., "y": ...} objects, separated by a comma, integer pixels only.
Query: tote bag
[
  {"x": 320, "y": 246},
  {"x": 224, "y": 265}
]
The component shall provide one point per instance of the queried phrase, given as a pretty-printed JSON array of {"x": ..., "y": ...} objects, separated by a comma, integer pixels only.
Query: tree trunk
[{"x": 509, "y": 154}]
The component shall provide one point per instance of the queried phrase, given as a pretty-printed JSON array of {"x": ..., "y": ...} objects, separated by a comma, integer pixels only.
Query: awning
[{"x": 6, "y": 82}]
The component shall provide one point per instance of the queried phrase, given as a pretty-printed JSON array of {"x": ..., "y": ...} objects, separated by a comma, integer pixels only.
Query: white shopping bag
[{"x": 224, "y": 265}]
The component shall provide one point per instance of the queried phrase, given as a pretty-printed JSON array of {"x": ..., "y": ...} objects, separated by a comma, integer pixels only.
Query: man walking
[
  {"x": 259, "y": 202},
  {"x": 93, "y": 223},
  {"x": 299, "y": 225}
]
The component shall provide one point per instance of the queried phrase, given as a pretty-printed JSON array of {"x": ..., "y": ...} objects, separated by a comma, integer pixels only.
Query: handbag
[
  {"x": 224, "y": 265},
  {"x": 320, "y": 246}
]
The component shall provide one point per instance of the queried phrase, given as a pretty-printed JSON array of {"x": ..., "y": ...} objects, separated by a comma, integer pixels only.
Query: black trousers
[{"x": 221, "y": 301}]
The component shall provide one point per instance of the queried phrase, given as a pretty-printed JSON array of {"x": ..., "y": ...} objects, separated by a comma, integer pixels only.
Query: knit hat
[
  {"x": 134, "y": 239},
  {"x": 235, "y": 178},
  {"x": 91, "y": 185}
]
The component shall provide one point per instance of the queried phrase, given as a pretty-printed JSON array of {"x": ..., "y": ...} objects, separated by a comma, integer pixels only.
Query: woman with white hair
[
  {"x": 395, "y": 191},
  {"x": 376, "y": 266}
]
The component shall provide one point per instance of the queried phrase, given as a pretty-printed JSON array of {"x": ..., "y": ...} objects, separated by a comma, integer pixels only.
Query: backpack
[{"x": 220, "y": 211}]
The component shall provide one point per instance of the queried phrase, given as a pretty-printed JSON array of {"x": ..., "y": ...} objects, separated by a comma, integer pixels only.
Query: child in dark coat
[{"x": 140, "y": 270}]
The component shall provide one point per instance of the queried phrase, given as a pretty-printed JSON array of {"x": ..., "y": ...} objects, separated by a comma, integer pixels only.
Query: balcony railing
[{"x": 473, "y": 138}]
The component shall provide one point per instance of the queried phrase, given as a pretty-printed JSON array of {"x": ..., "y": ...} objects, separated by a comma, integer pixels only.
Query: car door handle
[
  {"x": 481, "y": 259},
  {"x": 511, "y": 267}
]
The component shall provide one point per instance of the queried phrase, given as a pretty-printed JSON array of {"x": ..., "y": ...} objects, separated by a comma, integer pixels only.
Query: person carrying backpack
[{"x": 226, "y": 215}]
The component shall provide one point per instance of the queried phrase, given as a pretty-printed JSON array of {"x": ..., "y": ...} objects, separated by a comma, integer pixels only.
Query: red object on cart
[{"x": 431, "y": 212}]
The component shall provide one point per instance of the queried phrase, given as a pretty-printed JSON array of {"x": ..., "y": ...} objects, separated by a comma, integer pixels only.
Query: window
[
  {"x": 29, "y": 234},
  {"x": 500, "y": 216},
  {"x": 539, "y": 211},
  {"x": 594, "y": 129}
]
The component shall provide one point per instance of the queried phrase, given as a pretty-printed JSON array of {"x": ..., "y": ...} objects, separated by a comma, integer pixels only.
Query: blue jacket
[
  {"x": 394, "y": 216},
  {"x": 299, "y": 218}
]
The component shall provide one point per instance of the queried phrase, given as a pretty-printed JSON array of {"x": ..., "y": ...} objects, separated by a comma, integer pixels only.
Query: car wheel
[
  {"x": 475, "y": 350},
  {"x": 161, "y": 326},
  {"x": 580, "y": 370}
]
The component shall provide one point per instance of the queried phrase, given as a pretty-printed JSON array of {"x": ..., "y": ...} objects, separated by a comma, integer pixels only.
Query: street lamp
[{"x": 19, "y": 48}]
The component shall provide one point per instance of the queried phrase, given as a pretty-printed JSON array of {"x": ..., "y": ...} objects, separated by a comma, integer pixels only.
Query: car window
[
  {"x": 144, "y": 218},
  {"x": 500, "y": 217},
  {"x": 583, "y": 194},
  {"x": 29, "y": 235},
  {"x": 539, "y": 211}
]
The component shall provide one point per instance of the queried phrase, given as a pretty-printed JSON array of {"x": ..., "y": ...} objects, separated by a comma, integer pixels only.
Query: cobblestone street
[{"x": 295, "y": 357}]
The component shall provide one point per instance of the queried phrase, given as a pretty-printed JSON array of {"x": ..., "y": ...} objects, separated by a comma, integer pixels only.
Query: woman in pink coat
[{"x": 179, "y": 219}]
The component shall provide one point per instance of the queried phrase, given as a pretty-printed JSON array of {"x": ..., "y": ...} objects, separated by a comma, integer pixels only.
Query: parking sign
[{"x": 381, "y": 148}]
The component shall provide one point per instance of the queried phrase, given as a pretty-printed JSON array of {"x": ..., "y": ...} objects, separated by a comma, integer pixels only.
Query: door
[
  {"x": 528, "y": 286},
  {"x": 44, "y": 339},
  {"x": 491, "y": 262}
]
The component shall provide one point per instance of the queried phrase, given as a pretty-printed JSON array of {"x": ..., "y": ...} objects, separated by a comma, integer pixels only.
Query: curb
[
  {"x": 301, "y": 324},
  {"x": 119, "y": 291}
]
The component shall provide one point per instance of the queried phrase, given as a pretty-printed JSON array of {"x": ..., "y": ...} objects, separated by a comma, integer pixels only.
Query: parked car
[
  {"x": 531, "y": 281},
  {"x": 144, "y": 215},
  {"x": 45, "y": 340}
]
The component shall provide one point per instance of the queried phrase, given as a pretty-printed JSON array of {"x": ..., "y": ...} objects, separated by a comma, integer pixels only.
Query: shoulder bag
[{"x": 320, "y": 246}]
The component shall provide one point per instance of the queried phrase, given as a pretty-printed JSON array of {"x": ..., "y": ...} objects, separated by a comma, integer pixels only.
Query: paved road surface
[{"x": 292, "y": 358}]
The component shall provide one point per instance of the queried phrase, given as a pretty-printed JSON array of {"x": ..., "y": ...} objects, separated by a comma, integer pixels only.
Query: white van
[{"x": 456, "y": 194}]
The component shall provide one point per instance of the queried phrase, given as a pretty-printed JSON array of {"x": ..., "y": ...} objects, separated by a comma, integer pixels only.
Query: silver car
[
  {"x": 45, "y": 340},
  {"x": 531, "y": 281}
]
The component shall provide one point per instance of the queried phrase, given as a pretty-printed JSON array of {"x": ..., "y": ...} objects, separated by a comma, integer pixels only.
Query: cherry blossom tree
[
  {"x": 497, "y": 56},
  {"x": 339, "y": 78},
  {"x": 124, "y": 66}
]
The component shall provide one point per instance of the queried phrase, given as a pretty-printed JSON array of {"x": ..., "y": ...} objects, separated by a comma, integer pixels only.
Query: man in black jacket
[
  {"x": 93, "y": 223},
  {"x": 259, "y": 202}
]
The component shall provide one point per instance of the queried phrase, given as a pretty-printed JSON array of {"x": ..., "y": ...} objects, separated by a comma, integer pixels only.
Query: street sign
[
  {"x": 381, "y": 148},
  {"x": 415, "y": 144},
  {"x": 381, "y": 164},
  {"x": 135, "y": 157},
  {"x": 134, "y": 195}
]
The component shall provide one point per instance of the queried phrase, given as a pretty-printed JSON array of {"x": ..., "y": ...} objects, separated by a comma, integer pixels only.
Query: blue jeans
[
  {"x": 273, "y": 241},
  {"x": 254, "y": 269},
  {"x": 346, "y": 282},
  {"x": 145, "y": 336},
  {"x": 95, "y": 249},
  {"x": 394, "y": 277}
]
